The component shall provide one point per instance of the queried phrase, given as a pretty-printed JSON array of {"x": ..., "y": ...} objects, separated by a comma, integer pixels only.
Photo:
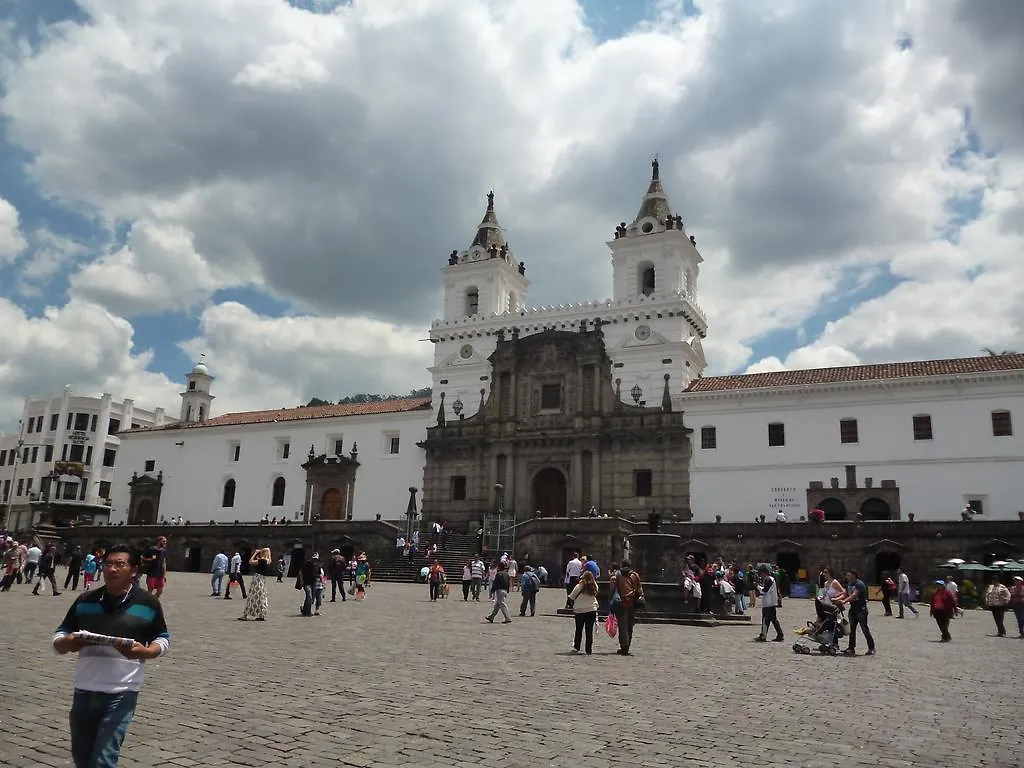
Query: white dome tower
[{"x": 196, "y": 399}]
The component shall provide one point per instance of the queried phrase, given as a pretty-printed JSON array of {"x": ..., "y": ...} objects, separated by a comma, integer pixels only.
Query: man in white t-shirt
[
  {"x": 954, "y": 589},
  {"x": 573, "y": 569},
  {"x": 32, "y": 561}
]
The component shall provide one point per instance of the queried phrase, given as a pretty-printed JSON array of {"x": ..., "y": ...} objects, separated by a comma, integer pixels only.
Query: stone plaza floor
[{"x": 399, "y": 681}]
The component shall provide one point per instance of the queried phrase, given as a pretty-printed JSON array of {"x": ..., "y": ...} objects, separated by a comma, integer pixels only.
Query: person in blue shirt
[
  {"x": 590, "y": 564},
  {"x": 857, "y": 599}
]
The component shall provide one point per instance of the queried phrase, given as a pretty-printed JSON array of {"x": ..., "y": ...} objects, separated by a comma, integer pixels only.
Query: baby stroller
[{"x": 825, "y": 634}]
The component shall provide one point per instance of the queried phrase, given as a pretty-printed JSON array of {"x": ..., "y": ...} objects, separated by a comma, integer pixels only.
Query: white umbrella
[
  {"x": 1000, "y": 563},
  {"x": 956, "y": 561}
]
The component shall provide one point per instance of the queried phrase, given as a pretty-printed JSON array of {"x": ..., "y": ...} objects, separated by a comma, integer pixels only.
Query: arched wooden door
[
  {"x": 550, "y": 492},
  {"x": 145, "y": 513},
  {"x": 331, "y": 505}
]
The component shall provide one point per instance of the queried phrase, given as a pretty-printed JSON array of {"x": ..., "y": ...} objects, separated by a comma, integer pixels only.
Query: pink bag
[{"x": 611, "y": 625}]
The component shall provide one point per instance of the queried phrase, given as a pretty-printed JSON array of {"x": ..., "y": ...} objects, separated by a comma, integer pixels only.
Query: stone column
[
  {"x": 99, "y": 443},
  {"x": 41, "y": 468},
  {"x": 575, "y": 484}
]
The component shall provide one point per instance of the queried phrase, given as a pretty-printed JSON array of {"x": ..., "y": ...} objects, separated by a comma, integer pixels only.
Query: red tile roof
[
  {"x": 849, "y": 373},
  {"x": 398, "y": 405}
]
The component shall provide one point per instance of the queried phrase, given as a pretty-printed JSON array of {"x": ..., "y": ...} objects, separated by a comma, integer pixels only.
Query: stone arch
[
  {"x": 550, "y": 492},
  {"x": 833, "y": 508},
  {"x": 646, "y": 278},
  {"x": 876, "y": 509},
  {"x": 332, "y": 505},
  {"x": 227, "y": 499}
]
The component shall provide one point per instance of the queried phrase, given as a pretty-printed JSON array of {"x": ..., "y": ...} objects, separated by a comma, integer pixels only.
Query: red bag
[{"x": 611, "y": 625}]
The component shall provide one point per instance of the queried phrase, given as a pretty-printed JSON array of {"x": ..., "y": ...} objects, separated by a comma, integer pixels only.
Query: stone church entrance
[
  {"x": 554, "y": 433},
  {"x": 550, "y": 493}
]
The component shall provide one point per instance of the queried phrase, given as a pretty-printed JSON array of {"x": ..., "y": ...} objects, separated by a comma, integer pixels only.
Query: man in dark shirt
[
  {"x": 74, "y": 568},
  {"x": 499, "y": 591},
  {"x": 857, "y": 599},
  {"x": 110, "y": 669},
  {"x": 155, "y": 562}
]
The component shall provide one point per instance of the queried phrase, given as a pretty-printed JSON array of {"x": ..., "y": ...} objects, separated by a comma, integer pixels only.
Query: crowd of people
[{"x": 120, "y": 625}]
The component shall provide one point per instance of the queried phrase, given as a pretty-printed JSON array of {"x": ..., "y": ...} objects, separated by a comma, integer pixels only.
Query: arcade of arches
[{"x": 853, "y": 501}]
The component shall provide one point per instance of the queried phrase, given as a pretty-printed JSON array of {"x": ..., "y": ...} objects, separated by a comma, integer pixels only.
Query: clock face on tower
[
  {"x": 466, "y": 352},
  {"x": 642, "y": 333}
]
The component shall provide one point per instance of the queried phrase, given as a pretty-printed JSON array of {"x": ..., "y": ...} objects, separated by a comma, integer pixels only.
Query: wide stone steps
[{"x": 455, "y": 554}]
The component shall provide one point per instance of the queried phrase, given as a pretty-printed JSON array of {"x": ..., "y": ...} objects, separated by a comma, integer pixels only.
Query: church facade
[{"x": 552, "y": 437}]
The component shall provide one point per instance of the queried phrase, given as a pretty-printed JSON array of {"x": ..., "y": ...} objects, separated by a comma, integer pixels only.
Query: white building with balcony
[{"x": 64, "y": 459}]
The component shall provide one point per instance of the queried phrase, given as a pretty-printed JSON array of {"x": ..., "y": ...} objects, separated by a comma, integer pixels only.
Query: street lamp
[{"x": 637, "y": 393}]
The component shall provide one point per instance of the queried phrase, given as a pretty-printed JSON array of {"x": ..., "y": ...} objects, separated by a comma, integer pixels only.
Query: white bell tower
[
  {"x": 196, "y": 399},
  {"x": 654, "y": 256},
  {"x": 485, "y": 279}
]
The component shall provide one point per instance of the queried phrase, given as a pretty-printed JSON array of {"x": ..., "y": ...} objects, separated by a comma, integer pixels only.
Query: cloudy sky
[{"x": 277, "y": 184}]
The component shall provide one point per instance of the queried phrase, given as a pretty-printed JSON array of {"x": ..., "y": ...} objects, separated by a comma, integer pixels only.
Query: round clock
[
  {"x": 642, "y": 333},
  {"x": 466, "y": 352}
]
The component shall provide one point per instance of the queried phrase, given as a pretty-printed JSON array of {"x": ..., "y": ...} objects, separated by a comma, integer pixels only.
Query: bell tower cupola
[
  {"x": 485, "y": 279},
  {"x": 196, "y": 399},
  {"x": 654, "y": 256}
]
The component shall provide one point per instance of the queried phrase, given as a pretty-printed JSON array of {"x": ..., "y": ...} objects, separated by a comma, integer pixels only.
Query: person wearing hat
[
  {"x": 942, "y": 608},
  {"x": 338, "y": 568},
  {"x": 363, "y": 575},
  {"x": 1017, "y": 602}
]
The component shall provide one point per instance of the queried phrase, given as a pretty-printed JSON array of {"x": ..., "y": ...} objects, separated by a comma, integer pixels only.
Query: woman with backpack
[{"x": 997, "y": 598}]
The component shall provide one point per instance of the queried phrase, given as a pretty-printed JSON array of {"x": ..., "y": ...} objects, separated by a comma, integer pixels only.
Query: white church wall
[
  {"x": 742, "y": 476},
  {"x": 196, "y": 462}
]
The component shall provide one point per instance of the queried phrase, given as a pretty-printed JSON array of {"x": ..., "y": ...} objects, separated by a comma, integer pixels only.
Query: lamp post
[
  {"x": 637, "y": 393},
  {"x": 499, "y": 511}
]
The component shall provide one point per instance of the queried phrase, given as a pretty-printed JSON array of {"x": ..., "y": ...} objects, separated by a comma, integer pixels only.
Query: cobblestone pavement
[{"x": 397, "y": 681}]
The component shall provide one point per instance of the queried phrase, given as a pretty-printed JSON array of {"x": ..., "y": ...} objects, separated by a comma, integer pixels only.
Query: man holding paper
[{"x": 114, "y": 630}]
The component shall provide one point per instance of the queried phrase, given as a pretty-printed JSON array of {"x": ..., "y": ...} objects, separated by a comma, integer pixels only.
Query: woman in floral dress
[{"x": 256, "y": 604}]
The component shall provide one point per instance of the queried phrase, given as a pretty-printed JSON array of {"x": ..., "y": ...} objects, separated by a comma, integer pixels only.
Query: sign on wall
[
  {"x": 78, "y": 438},
  {"x": 787, "y": 499}
]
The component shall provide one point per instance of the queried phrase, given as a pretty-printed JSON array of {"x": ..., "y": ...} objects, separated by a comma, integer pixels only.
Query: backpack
[
  {"x": 943, "y": 600},
  {"x": 890, "y": 585}
]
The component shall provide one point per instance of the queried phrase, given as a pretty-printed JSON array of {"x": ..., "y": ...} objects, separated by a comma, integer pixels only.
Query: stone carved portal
[
  {"x": 330, "y": 485},
  {"x": 555, "y": 436},
  {"x": 550, "y": 492},
  {"x": 144, "y": 503}
]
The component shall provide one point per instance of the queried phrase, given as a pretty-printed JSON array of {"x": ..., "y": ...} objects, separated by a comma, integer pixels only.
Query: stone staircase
[{"x": 455, "y": 554}]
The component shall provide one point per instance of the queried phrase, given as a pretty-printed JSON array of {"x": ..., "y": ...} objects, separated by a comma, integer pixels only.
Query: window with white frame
[
  {"x": 335, "y": 445},
  {"x": 234, "y": 451},
  {"x": 392, "y": 443}
]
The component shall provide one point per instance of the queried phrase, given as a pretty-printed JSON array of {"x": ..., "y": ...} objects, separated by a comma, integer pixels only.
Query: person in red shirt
[{"x": 943, "y": 608}]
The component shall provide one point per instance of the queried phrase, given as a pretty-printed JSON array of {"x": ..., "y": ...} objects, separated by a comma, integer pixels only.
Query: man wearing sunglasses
[{"x": 114, "y": 630}]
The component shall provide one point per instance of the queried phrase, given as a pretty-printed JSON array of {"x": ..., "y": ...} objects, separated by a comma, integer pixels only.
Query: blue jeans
[
  {"x": 217, "y": 581},
  {"x": 99, "y": 722}
]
